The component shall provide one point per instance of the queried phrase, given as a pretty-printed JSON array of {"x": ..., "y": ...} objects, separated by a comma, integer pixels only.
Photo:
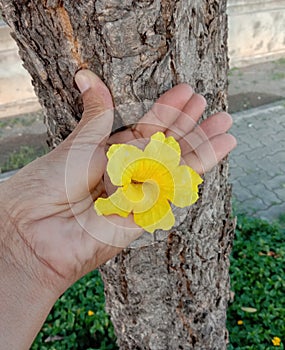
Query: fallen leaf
[{"x": 250, "y": 310}]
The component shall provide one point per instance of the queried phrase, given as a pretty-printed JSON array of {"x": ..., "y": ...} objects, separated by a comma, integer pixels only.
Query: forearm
[
  {"x": 24, "y": 303},
  {"x": 23, "y": 308}
]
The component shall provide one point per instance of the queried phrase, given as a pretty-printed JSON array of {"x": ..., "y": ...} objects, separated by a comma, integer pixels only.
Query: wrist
[
  {"x": 19, "y": 231},
  {"x": 15, "y": 252},
  {"x": 24, "y": 300}
]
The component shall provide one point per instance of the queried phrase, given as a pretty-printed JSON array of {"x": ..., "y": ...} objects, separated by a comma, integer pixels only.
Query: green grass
[
  {"x": 281, "y": 220},
  {"x": 17, "y": 121},
  {"x": 22, "y": 157},
  {"x": 278, "y": 75},
  {"x": 258, "y": 281},
  {"x": 281, "y": 60},
  {"x": 235, "y": 71},
  {"x": 69, "y": 326}
]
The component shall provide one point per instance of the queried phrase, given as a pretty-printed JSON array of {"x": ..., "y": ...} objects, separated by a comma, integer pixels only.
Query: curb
[
  {"x": 254, "y": 112},
  {"x": 7, "y": 175}
]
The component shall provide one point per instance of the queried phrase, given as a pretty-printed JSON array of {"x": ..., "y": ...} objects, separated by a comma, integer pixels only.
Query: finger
[
  {"x": 210, "y": 153},
  {"x": 188, "y": 118},
  {"x": 216, "y": 124},
  {"x": 165, "y": 111}
]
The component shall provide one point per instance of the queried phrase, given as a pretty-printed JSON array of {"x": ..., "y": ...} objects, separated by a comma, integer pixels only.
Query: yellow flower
[
  {"x": 240, "y": 322},
  {"x": 90, "y": 313},
  {"x": 276, "y": 341},
  {"x": 148, "y": 181}
]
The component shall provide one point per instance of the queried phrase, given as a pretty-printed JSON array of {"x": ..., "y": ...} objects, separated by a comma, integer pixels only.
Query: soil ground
[{"x": 256, "y": 85}]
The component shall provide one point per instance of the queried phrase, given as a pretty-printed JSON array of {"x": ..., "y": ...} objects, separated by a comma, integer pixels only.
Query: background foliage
[
  {"x": 78, "y": 319},
  {"x": 258, "y": 283}
]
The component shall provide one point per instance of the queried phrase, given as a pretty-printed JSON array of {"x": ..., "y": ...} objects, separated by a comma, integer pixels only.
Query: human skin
[{"x": 46, "y": 209}]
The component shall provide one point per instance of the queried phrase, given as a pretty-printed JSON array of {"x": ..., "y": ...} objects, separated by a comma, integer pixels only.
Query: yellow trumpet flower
[{"x": 148, "y": 180}]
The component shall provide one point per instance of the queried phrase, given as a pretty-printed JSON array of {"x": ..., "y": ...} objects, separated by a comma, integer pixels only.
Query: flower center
[{"x": 135, "y": 182}]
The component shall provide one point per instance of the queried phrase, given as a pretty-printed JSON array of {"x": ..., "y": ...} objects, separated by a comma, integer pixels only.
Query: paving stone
[
  {"x": 280, "y": 193},
  {"x": 243, "y": 163},
  {"x": 269, "y": 198},
  {"x": 279, "y": 157},
  {"x": 275, "y": 148},
  {"x": 243, "y": 147},
  {"x": 248, "y": 136},
  {"x": 261, "y": 192},
  {"x": 270, "y": 166},
  {"x": 272, "y": 213},
  {"x": 249, "y": 179},
  {"x": 241, "y": 193},
  {"x": 276, "y": 182},
  {"x": 262, "y": 133},
  {"x": 257, "y": 153},
  {"x": 252, "y": 205}
]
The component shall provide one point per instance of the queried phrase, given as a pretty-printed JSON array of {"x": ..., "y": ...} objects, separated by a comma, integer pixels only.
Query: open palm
[{"x": 52, "y": 198}]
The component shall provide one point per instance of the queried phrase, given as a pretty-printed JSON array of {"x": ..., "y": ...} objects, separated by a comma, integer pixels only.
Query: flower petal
[
  {"x": 120, "y": 157},
  {"x": 117, "y": 203},
  {"x": 186, "y": 182},
  {"x": 166, "y": 150},
  {"x": 160, "y": 216}
]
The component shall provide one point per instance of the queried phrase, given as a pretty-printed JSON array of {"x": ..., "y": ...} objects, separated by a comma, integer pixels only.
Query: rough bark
[{"x": 171, "y": 292}]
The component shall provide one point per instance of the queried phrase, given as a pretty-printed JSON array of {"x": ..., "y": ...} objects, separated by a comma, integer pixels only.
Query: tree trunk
[{"x": 170, "y": 292}]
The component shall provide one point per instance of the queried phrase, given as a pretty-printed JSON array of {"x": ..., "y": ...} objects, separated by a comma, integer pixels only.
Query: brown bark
[{"x": 171, "y": 292}]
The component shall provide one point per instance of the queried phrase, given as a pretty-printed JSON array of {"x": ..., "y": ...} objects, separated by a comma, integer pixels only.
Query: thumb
[
  {"x": 85, "y": 146},
  {"x": 97, "y": 113},
  {"x": 95, "y": 95}
]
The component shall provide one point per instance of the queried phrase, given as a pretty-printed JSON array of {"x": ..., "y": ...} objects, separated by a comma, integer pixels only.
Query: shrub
[
  {"x": 258, "y": 283},
  {"x": 78, "y": 319},
  {"x": 22, "y": 157}
]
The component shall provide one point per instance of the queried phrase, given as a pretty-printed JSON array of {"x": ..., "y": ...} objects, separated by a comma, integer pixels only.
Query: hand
[
  {"x": 51, "y": 201},
  {"x": 50, "y": 234}
]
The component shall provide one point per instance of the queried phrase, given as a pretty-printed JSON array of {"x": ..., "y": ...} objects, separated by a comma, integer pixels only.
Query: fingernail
[{"x": 82, "y": 80}]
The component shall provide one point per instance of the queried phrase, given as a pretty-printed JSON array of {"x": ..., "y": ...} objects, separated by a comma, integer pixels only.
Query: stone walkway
[{"x": 258, "y": 163}]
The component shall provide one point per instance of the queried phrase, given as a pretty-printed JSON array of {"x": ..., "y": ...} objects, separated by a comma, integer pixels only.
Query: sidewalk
[{"x": 257, "y": 165}]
